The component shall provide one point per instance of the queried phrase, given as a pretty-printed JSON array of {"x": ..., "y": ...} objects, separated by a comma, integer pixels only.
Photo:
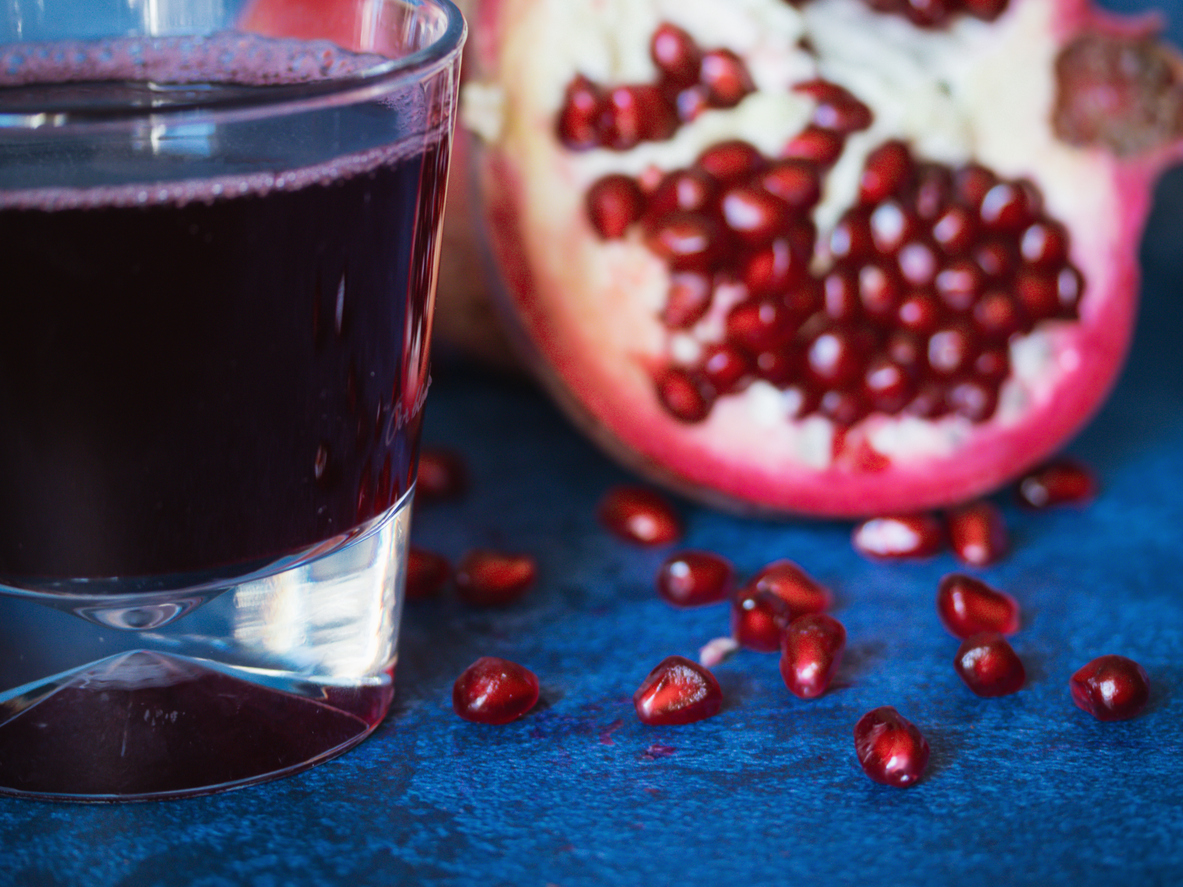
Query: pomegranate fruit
[
  {"x": 694, "y": 578},
  {"x": 831, "y": 257},
  {"x": 494, "y": 691},
  {"x": 890, "y": 748},
  {"x": 1111, "y": 688},
  {"x": 677, "y": 692}
]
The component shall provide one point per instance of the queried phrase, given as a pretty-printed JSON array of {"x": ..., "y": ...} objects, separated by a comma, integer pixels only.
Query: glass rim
[{"x": 249, "y": 100}]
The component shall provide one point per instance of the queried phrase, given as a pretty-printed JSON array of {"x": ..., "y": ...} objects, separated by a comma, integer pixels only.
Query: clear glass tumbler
[{"x": 219, "y": 236}]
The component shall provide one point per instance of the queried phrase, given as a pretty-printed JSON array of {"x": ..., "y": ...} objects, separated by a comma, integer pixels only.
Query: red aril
[
  {"x": 494, "y": 691},
  {"x": 899, "y": 537},
  {"x": 676, "y": 692},
  {"x": 801, "y": 592},
  {"x": 694, "y": 578},
  {"x": 810, "y": 652},
  {"x": 758, "y": 618},
  {"x": 967, "y": 606},
  {"x": 487, "y": 578},
  {"x": 1062, "y": 481},
  {"x": 890, "y": 748},
  {"x": 949, "y": 204},
  {"x": 442, "y": 475},
  {"x": 977, "y": 533},
  {"x": 989, "y": 665},
  {"x": 641, "y": 515},
  {"x": 1111, "y": 688},
  {"x": 426, "y": 573}
]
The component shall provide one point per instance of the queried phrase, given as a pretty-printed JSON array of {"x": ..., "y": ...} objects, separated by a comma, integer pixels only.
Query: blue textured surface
[{"x": 1025, "y": 789}]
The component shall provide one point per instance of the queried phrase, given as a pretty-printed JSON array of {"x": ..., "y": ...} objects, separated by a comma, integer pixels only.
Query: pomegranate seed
[
  {"x": 888, "y": 384},
  {"x": 677, "y": 692},
  {"x": 613, "y": 203},
  {"x": 841, "y": 295},
  {"x": 973, "y": 399},
  {"x": 758, "y": 618},
  {"x": 676, "y": 54},
  {"x": 955, "y": 230},
  {"x": 1111, "y": 688},
  {"x": 919, "y": 312},
  {"x": 899, "y": 536},
  {"x": 688, "y": 300},
  {"x": 488, "y": 578},
  {"x": 794, "y": 181},
  {"x": 801, "y": 592},
  {"x": 880, "y": 290},
  {"x": 690, "y": 190},
  {"x": 842, "y": 113},
  {"x": 731, "y": 161},
  {"x": 960, "y": 283},
  {"x": 821, "y": 146},
  {"x": 773, "y": 268},
  {"x": 837, "y": 355},
  {"x": 810, "y": 653},
  {"x": 1006, "y": 207},
  {"x": 933, "y": 191},
  {"x": 757, "y": 324},
  {"x": 851, "y": 237},
  {"x": 754, "y": 214},
  {"x": 1062, "y": 481},
  {"x": 997, "y": 315},
  {"x": 635, "y": 114},
  {"x": 967, "y": 605},
  {"x": 694, "y": 578},
  {"x": 986, "y": 10},
  {"x": 989, "y": 665},
  {"x": 952, "y": 349},
  {"x": 686, "y": 398},
  {"x": 687, "y": 241},
  {"x": 1044, "y": 244},
  {"x": 727, "y": 366},
  {"x": 639, "y": 514},
  {"x": 997, "y": 258},
  {"x": 977, "y": 533},
  {"x": 426, "y": 573},
  {"x": 725, "y": 78},
  {"x": 971, "y": 183},
  {"x": 494, "y": 691},
  {"x": 579, "y": 119},
  {"x": 890, "y": 748},
  {"x": 918, "y": 262},
  {"x": 886, "y": 168},
  {"x": 442, "y": 475}
]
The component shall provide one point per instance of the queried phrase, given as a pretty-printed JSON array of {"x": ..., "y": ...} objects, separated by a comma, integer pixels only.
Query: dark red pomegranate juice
[{"x": 208, "y": 383}]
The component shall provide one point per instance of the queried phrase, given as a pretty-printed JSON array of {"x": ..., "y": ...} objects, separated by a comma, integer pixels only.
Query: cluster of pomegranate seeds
[
  {"x": 426, "y": 573},
  {"x": 690, "y": 81},
  {"x": 1062, "y": 481},
  {"x": 977, "y": 533},
  {"x": 678, "y": 691},
  {"x": 890, "y": 748},
  {"x": 939, "y": 13},
  {"x": 899, "y": 536},
  {"x": 967, "y": 605},
  {"x": 810, "y": 652},
  {"x": 494, "y": 691},
  {"x": 487, "y": 578},
  {"x": 442, "y": 475},
  {"x": 640, "y": 515},
  {"x": 695, "y": 578},
  {"x": 770, "y": 600},
  {"x": 989, "y": 665},
  {"x": 1111, "y": 688},
  {"x": 928, "y": 276}
]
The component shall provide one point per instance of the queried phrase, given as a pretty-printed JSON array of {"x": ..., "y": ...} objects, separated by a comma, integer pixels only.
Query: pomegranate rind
[{"x": 575, "y": 306}]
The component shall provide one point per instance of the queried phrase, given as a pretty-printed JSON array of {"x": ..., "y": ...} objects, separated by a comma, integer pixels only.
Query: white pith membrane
[{"x": 972, "y": 92}]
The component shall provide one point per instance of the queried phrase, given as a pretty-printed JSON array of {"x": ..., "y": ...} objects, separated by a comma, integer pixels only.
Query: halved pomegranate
[{"x": 817, "y": 257}]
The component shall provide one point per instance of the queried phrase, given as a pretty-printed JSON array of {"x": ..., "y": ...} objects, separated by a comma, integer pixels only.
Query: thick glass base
[{"x": 264, "y": 678}]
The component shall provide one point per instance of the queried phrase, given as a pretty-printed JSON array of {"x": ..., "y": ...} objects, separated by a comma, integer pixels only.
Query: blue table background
[{"x": 1022, "y": 790}]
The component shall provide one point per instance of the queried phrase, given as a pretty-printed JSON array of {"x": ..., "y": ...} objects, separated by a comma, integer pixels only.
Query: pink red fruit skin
[
  {"x": 890, "y": 749},
  {"x": 605, "y": 379},
  {"x": 1111, "y": 688},
  {"x": 678, "y": 691},
  {"x": 494, "y": 691}
]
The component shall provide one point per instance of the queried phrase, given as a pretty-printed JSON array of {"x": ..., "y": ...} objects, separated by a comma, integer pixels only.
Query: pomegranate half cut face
[{"x": 819, "y": 258}]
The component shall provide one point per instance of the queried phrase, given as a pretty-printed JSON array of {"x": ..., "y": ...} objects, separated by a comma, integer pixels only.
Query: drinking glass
[{"x": 219, "y": 236}]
